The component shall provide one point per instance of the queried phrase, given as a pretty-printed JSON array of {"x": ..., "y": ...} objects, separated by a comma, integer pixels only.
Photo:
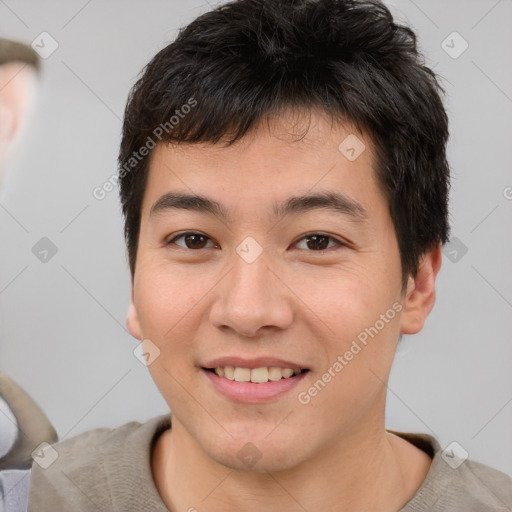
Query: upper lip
[{"x": 257, "y": 362}]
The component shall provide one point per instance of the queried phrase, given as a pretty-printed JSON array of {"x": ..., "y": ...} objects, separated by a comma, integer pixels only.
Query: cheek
[
  {"x": 167, "y": 306},
  {"x": 354, "y": 313},
  {"x": 345, "y": 300},
  {"x": 164, "y": 294},
  {"x": 358, "y": 356},
  {"x": 172, "y": 301}
]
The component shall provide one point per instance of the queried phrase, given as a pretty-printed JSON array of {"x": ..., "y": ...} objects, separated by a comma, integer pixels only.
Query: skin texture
[{"x": 294, "y": 302}]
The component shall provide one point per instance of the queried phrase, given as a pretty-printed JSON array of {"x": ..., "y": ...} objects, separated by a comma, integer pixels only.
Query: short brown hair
[{"x": 14, "y": 51}]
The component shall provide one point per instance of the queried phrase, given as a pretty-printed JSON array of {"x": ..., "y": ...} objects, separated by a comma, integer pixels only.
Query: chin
[{"x": 257, "y": 456}]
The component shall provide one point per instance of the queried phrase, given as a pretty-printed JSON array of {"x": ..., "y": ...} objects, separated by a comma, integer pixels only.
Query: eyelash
[{"x": 331, "y": 238}]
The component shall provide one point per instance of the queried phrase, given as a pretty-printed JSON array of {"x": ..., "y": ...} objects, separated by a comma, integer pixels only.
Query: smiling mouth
[{"x": 256, "y": 375}]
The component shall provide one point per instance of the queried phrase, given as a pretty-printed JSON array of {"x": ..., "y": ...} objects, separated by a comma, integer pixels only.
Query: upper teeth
[{"x": 258, "y": 375}]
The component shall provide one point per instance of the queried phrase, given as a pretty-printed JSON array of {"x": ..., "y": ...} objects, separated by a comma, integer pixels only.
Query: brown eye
[
  {"x": 192, "y": 240},
  {"x": 317, "y": 242}
]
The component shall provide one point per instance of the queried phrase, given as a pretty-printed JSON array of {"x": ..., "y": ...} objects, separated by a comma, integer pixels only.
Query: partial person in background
[
  {"x": 23, "y": 425},
  {"x": 19, "y": 69}
]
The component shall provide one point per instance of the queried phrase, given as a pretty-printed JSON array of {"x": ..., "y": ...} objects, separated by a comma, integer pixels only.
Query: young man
[{"x": 284, "y": 183}]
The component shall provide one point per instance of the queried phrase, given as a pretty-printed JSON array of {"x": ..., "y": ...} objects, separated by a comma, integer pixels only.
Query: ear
[
  {"x": 132, "y": 320},
  {"x": 421, "y": 292}
]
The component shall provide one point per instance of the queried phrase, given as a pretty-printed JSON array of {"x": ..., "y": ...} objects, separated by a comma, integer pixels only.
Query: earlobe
[
  {"x": 421, "y": 293},
  {"x": 132, "y": 320}
]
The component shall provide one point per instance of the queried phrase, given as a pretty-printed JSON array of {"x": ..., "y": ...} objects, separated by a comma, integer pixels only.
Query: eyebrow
[{"x": 333, "y": 201}]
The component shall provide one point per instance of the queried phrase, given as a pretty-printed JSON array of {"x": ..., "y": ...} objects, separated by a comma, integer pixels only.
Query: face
[
  {"x": 17, "y": 83},
  {"x": 274, "y": 281}
]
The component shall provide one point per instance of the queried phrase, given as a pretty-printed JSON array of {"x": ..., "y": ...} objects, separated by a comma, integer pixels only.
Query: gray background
[{"x": 62, "y": 331}]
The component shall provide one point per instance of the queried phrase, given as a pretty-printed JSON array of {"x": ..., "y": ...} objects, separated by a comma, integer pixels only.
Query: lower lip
[{"x": 250, "y": 392}]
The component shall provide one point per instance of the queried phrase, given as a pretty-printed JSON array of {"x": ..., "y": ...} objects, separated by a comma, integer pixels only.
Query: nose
[{"x": 252, "y": 298}]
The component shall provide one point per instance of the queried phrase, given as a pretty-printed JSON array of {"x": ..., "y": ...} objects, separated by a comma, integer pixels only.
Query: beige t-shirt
[{"x": 110, "y": 470}]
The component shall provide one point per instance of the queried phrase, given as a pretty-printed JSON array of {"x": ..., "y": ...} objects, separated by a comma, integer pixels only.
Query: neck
[{"x": 366, "y": 469}]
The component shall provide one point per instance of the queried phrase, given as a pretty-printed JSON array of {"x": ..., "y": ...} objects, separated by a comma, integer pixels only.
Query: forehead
[{"x": 292, "y": 155}]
